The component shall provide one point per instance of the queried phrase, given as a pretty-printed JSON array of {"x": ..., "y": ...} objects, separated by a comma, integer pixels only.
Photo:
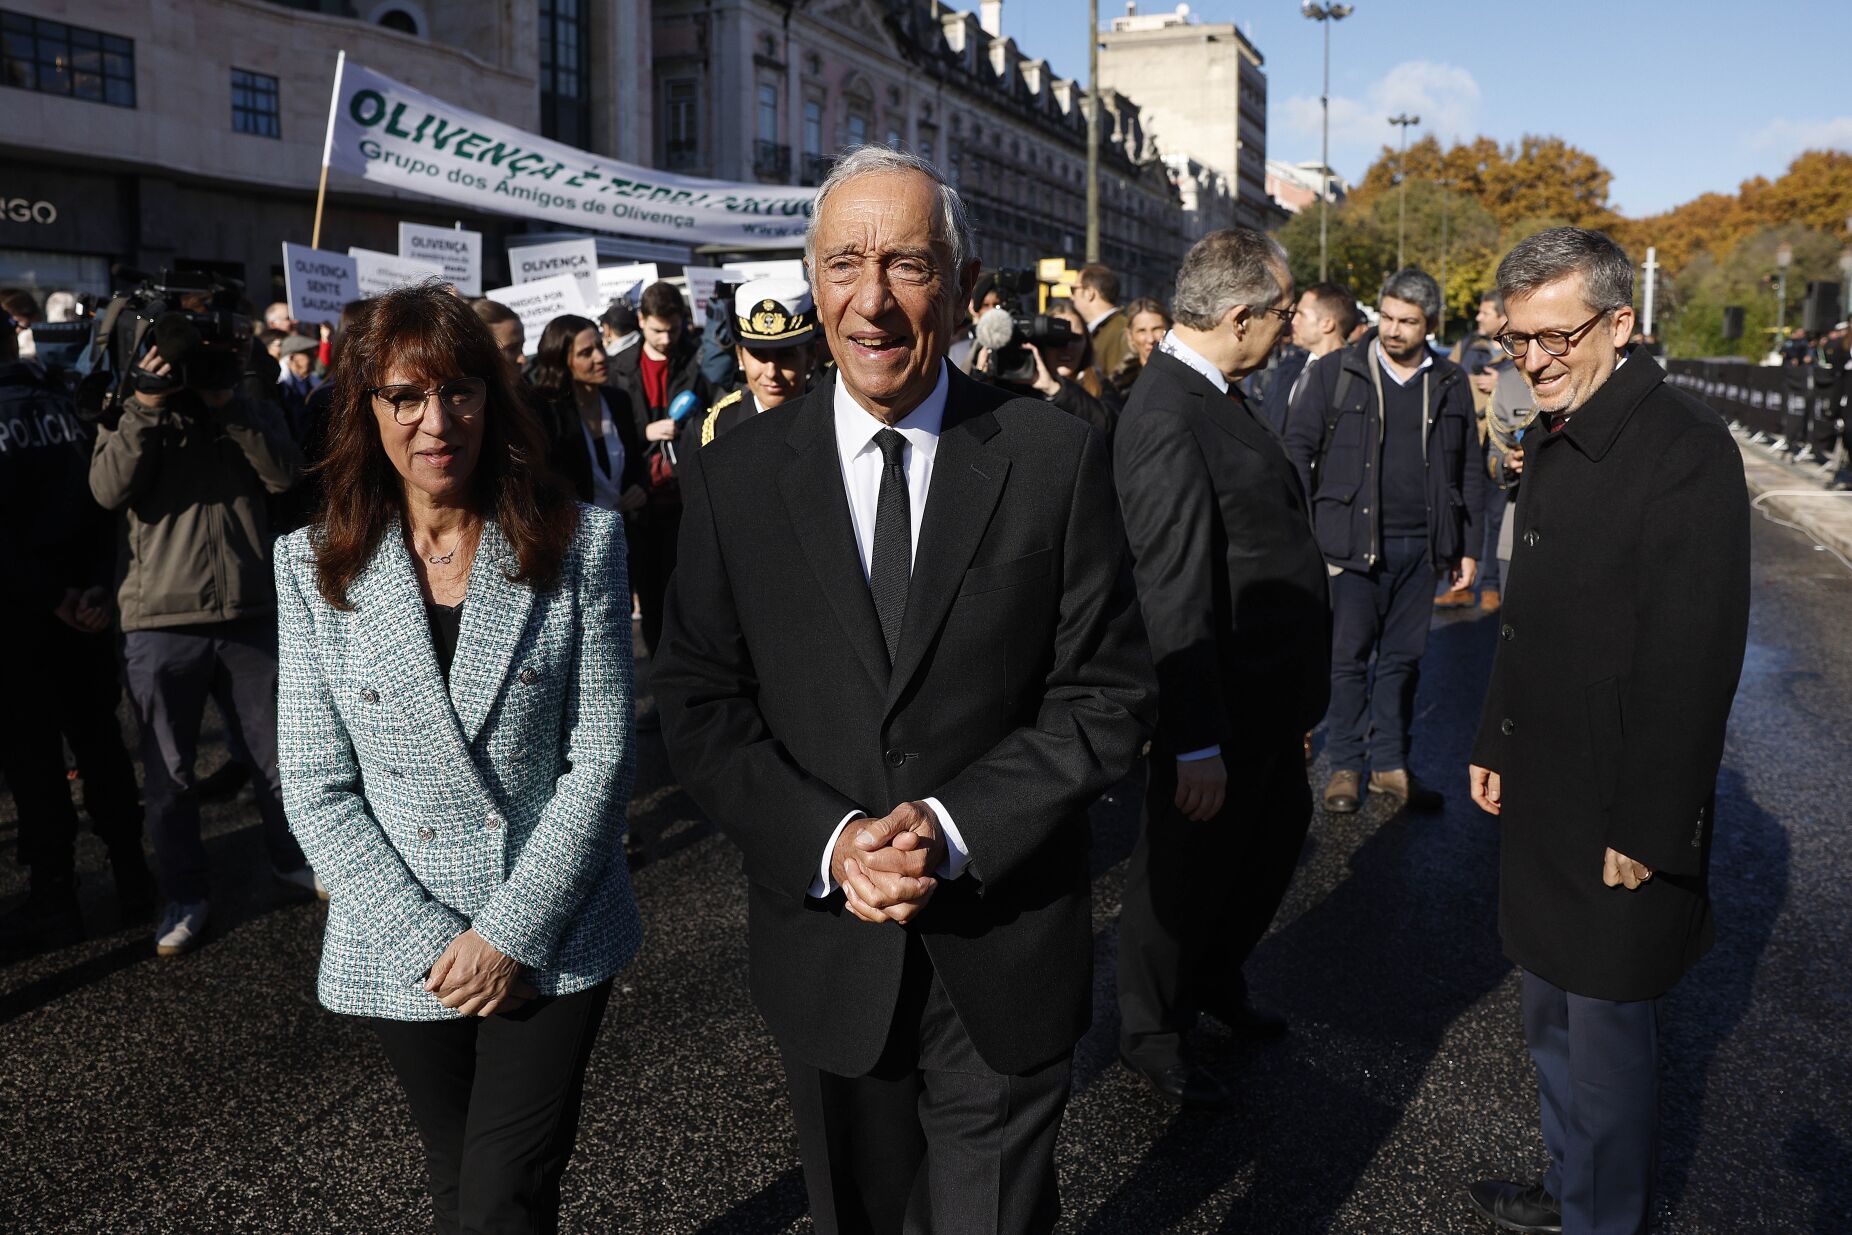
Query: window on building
[
  {"x": 256, "y": 108},
  {"x": 926, "y": 146},
  {"x": 813, "y": 127},
  {"x": 856, "y": 129},
  {"x": 768, "y": 112},
  {"x": 54, "y": 58},
  {"x": 681, "y": 120},
  {"x": 565, "y": 72},
  {"x": 893, "y": 137},
  {"x": 400, "y": 20}
]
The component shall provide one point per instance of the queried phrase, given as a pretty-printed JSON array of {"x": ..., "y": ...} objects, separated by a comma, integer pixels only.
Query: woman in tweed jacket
[{"x": 454, "y": 715}]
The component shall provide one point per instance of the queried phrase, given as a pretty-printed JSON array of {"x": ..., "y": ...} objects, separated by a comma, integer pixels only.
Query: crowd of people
[{"x": 900, "y": 635}]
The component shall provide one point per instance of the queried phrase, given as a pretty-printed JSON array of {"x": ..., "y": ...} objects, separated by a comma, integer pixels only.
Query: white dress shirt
[{"x": 862, "y": 463}]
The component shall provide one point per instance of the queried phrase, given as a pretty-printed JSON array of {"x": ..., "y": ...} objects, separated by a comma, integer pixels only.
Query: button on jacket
[
  {"x": 498, "y": 803},
  {"x": 1624, "y": 623}
]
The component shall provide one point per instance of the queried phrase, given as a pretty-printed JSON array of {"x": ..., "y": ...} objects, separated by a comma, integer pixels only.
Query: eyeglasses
[
  {"x": 1553, "y": 342},
  {"x": 461, "y": 397},
  {"x": 1285, "y": 315}
]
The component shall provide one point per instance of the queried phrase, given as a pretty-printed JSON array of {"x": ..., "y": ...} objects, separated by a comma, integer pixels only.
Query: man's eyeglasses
[
  {"x": 1553, "y": 342},
  {"x": 461, "y": 397},
  {"x": 1285, "y": 315}
]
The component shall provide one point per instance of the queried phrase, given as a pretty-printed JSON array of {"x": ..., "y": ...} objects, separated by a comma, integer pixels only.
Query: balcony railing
[
  {"x": 816, "y": 168},
  {"x": 771, "y": 159},
  {"x": 681, "y": 154}
]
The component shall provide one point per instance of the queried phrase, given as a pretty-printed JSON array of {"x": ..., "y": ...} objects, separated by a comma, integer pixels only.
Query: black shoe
[
  {"x": 1517, "y": 1207},
  {"x": 1249, "y": 1022},
  {"x": 50, "y": 918},
  {"x": 136, "y": 897},
  {"x": 224, "y": 784},
  {"x": 1184, "y": 1084}
]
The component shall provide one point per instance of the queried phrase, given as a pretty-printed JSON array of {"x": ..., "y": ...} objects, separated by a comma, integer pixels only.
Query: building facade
[
  {"x": 189, "y": 134},
  {"x": 1203, "y": 93},
  {"x": 769, "y": 91},
  {"x": 1296, "y": 185}
]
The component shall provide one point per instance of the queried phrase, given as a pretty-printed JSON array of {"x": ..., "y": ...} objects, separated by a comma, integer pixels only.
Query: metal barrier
[{"x": 1785, "y": 406}]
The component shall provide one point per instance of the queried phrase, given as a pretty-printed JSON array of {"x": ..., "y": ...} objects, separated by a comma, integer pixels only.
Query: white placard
[
  {"x": 577, "y": 258},
  {"x": 783, "y": 268},
  {"x": 376, "y": 272},
  {"x": 539, "y": 302},
  {"x": 459, "y": 252},
  {"x": 701, "y": 280},
  {"x": 318, "y": 283},
  {"x": 624, "y": 282}
]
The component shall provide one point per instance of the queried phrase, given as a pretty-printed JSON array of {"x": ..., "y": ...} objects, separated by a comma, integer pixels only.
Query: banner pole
[{"x": 321, "y": 190}]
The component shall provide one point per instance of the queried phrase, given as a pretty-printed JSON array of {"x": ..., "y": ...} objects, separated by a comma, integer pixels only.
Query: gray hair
[
  {"x": 867, "y": 160},
  {"x": 1417, "y": 287},
  {"x": 1556, "y": 253},
  {"x": 1225, "y": 269}
]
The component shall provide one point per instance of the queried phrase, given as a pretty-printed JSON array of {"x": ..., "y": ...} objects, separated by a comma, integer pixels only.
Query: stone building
[
  {"x": 188, "y": 134},
  {"x": 760, "y": 89},
  {"x": 1203, "y": 94},
  {"x": 1296, "y": 185}
]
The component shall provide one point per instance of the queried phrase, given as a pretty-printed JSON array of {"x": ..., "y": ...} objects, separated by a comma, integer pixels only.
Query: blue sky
[{"x": 1675, "y": 97}]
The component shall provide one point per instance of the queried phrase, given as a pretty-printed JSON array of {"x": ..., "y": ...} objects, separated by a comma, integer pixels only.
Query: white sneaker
[
  {"x": 182, "y": 923},
  {"x": 303, "y": 879}
]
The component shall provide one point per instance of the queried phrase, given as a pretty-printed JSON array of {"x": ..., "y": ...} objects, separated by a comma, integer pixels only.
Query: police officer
[{"x": 776, "y": 321}]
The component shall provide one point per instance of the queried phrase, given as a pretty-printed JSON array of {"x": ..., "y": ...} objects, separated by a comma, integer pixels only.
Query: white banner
[
  {"x": 458, "y": 251},
  {"x": 539, "y": 302},
  {"x": 579, "y": 258},
  {"x": 376, "y": 272},
  {"x": 388, "y": 133},
  {"x": 779, "y": 268},
  {"x": 318, "y": 283}
]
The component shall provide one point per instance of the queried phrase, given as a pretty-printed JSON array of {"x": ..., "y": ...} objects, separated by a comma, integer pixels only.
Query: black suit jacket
[
  {"x": 572, "y": 458},
  {"x": 1021, "y": 691},
  {"x": 1231, "y": 581},
  {"x": 1620, "y": 645}
]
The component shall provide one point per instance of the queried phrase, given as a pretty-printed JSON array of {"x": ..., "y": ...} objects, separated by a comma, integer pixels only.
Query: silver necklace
[{"x": 441, "y": 560}]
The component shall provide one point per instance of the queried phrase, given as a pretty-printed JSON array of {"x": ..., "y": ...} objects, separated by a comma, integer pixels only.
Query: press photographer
[
  {"x": 188, "y": 459},
  {"x": 1036, "y": 353}
]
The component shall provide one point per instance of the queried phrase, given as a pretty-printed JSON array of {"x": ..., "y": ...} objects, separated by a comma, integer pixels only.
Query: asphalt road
[{"x": 211, "y": 1093}]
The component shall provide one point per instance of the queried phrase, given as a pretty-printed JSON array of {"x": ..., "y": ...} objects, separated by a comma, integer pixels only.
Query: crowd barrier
[{"x": 1778, "y": 404}]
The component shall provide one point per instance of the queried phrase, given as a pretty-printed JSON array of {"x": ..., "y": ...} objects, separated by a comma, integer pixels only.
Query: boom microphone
[{"x": 994, "y": 329}]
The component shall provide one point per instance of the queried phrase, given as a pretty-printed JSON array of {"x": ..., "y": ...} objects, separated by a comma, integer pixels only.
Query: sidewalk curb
[{"x": 1797, "y": 495}]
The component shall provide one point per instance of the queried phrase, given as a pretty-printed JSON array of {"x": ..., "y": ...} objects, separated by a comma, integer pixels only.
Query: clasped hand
[
  {"x": 476, "y": 979},
  {"x": 885, "y": 865}
]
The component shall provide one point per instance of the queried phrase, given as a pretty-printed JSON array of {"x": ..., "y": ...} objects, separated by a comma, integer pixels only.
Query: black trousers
[
  {"x": 496, "y": 1101},
  {"x": 652, "y": 561},
  {"x": 63, "y": 686},
  {"x": 1199, "y": 896},
  {"x": 931, "y": 1141}
]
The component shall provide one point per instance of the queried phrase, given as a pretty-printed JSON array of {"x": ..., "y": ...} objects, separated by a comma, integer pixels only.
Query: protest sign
[
  {"x": 624, "y": 282},
  {"x": 388, "y": 133},
  {"x": 539, "y": 302},
  {"x": 376, "y": 272},
  {"x": 318, "y": 283},
  {"x": 701, "y": 280},
  {"x": 458, "y": 251},
  {"x": 531, "y": 263},
  {"x": 782, "y": 268}
]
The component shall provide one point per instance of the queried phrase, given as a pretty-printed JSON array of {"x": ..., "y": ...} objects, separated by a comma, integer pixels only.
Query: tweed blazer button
[
  {"x": 529, "y": 676},
  {"x": 427, "y": 833},
  {"x": 369, "y": 695},
  {"x": 492, "y": 822}
]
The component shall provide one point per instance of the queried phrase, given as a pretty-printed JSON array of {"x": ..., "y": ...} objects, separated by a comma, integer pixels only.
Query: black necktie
[{"x": 891, "y": 569}]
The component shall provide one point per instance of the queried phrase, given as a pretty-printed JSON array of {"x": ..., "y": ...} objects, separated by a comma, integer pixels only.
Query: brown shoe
[
  {"x": 1344, "y": 793},
  {"x": 1489, "y": 600},
  {"x": 1401, "y": 786},
  {"x": 1458, "y": 598}
]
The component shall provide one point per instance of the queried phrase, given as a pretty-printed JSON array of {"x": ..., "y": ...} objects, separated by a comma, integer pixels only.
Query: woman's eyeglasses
[{"x": 461, "y": 397}]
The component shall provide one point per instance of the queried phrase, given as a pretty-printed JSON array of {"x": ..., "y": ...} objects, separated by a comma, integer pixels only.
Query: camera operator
[
  {"x": 1037, "y": 353},
  {"x": 54, "y": 613},
  {"x": 190, "y": 464}
]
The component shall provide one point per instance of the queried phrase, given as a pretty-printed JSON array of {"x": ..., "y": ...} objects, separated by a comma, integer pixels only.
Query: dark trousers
[
  {"x": 1497, "y": 502},
  {"x": 496, "y": 1101},
  {"x": 62, "y": 686},
  {"x": 1382, "y": 614},
  {"x": 931, "y": 1141},
  {"x": 652, "y": 561},
  {"x": 169, "y": 673},
  {"x": 1199, "y": 896},
  {"x": 1598, "y": 1078}
]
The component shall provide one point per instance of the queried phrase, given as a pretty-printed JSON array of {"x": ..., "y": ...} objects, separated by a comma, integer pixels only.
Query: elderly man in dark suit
[
  {"x": 1620, "y": 645},
  {"x": 1233, "y": 590},
  {"x": 902, "y": 655}
]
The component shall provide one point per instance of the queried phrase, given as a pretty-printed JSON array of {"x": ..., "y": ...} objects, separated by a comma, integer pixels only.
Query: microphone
[
  {"x": 682, "y": 406},
  {"x": 994, "y": 329}
]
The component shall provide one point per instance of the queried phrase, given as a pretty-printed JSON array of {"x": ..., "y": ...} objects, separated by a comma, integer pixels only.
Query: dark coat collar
[
  {"x": 1232, "y": 413},
  {"x": 1596, "y": 425}
]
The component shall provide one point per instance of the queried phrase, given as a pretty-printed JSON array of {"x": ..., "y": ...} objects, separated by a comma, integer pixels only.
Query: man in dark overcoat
[
  {"x": 1233, "y": 589},
  {"x": 1619, "y": 649}
]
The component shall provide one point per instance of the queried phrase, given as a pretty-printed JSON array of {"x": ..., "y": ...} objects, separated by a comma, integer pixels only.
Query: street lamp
[
  {"x": 1401, "y": 223},
  {"x": 1324, "y": 15},
  {"x": 1784, "y": 257}
]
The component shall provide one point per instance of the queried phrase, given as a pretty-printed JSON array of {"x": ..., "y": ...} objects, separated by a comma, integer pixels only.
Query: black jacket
[
  {"x": 1230, "y": 580},
  {"x": 1278, "y": 388},
  {"x": 1021, "y": 691},
  {"x": 684, "y": 374},
  {"x": 567, "y": 452},
  {"x": 1341, "y": 468},
  {"x": 53, "y": 535},
  {"x": 1625, "y": 615}
]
